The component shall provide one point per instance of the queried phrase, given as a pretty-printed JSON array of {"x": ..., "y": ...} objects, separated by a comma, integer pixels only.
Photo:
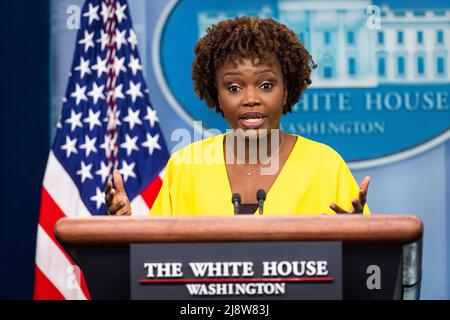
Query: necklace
[{"x": 250, "y": 173}]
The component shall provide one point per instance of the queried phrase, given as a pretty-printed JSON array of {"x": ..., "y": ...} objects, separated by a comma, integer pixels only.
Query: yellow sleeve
[
  {"x": 163, "y": 203},
  {"x": 347, "y": 189}
]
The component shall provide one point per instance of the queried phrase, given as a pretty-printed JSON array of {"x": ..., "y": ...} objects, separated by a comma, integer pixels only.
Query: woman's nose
[{"x": 251, "y": 97}]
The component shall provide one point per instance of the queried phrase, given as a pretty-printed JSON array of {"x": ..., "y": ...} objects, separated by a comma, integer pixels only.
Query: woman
[{"x": 251, "y": 71}]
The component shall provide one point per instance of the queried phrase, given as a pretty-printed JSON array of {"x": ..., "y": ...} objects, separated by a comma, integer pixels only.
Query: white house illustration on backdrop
[{"x": 412, "y": 46}]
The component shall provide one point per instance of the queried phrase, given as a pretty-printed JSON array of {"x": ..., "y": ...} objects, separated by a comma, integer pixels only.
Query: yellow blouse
[{"x": 196, "y": 182}]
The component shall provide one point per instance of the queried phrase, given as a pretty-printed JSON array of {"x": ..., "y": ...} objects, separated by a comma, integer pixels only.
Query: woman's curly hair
[{"x": 251, "y": 38}]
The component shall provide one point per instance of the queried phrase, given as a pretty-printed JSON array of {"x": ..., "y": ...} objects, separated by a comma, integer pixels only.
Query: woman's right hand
[{"x": 116, "y": 200}]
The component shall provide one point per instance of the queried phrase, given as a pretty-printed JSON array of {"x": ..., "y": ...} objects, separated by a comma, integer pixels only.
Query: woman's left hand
[{"x": 358, "y": 204}]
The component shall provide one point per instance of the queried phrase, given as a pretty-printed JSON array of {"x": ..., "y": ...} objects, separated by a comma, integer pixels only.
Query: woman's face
[{"x": 251, "y": 96}]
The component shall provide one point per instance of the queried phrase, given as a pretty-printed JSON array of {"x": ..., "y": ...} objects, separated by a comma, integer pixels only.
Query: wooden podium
[{"x": 101, "y": 246}]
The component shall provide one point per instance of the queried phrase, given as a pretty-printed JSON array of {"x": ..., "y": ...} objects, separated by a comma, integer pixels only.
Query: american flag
[{"x": 107, "y": 122}]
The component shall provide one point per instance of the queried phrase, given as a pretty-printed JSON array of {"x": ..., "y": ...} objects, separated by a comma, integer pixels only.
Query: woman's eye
[
  {"x": 234, "y": 89},
  {"x": 266, "y": 85}
]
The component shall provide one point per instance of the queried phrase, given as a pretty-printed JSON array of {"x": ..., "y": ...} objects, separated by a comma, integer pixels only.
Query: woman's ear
[
  {"x": 285, "y": 96},
  {"x": 218, "y": 103}
]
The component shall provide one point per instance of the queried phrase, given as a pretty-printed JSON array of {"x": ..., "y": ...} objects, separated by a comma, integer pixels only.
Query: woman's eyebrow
[
  {"x": 265, "y": 71},
  {"x": 237, "y": 73},
  {"x": 232, "y": 73}
]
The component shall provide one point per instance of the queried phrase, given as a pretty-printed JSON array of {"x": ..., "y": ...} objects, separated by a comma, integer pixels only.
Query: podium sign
[{"x": 236, "y": 270}]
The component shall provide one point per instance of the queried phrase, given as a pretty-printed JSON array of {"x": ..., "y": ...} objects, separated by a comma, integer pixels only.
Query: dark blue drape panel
[{"x": 24, "y": 128}]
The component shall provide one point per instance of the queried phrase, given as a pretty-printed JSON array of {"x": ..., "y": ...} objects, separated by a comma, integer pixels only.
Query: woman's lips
[{"x": 252, "y": 123}]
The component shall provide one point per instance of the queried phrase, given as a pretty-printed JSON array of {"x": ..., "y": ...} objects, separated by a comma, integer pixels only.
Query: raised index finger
[
  {"x": 363, "y": 190},
  {"x": 118, "y": 182}
]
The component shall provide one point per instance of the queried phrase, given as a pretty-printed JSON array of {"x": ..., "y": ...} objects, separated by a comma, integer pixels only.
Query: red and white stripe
[{"x": 60, "y": 198}]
